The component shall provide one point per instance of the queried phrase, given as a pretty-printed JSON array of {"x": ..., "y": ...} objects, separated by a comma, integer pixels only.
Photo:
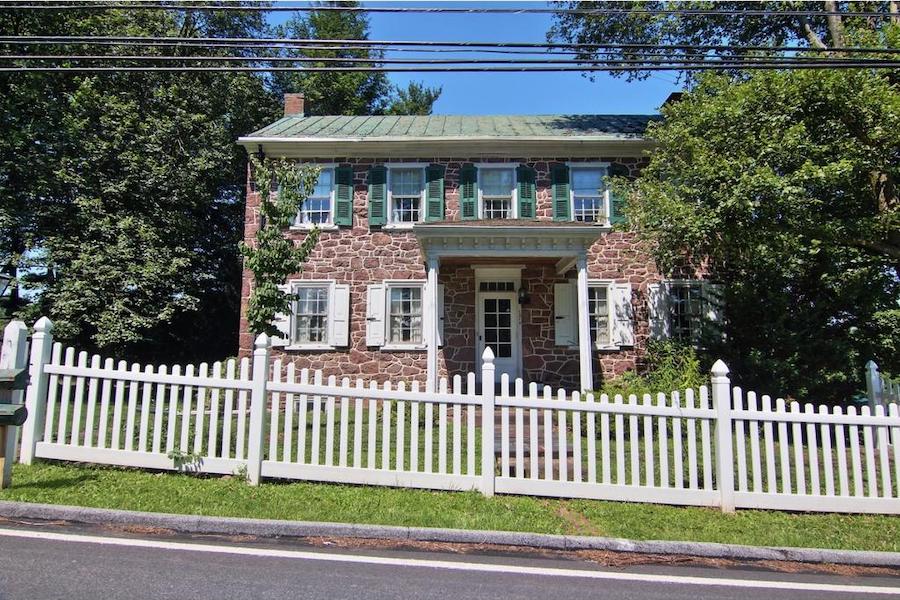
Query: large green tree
[
  {"x": 787, "y": 181},
  {"x": 345, "y": 93},
  {"x": 124, "y": 192}
]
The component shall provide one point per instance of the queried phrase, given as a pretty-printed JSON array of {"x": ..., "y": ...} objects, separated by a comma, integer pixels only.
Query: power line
[
  {"x": 455, "y": 10},
  {"x": 345, "y": 43}
]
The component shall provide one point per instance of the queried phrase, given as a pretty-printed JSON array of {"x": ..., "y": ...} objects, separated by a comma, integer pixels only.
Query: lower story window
[
  {"x": 405, "y": 321},
  {"x": 598, "y": 311},
  {"x": 311, "y": 316},
  {"x": 685, "y": 311}
]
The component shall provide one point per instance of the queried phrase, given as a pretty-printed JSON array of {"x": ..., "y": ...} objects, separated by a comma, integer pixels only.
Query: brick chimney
[{"x": 293, "y": 104}]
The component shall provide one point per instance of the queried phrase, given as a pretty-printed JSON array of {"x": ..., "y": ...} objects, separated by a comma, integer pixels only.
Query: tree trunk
[{"x": 835, "y": 25}]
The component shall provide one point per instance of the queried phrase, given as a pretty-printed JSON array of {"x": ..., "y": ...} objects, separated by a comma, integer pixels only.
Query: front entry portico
[{"x": 496, "y": 298}]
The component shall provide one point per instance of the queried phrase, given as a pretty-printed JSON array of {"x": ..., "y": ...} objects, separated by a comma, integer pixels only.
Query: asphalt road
[{"x": 48, "y": 561}]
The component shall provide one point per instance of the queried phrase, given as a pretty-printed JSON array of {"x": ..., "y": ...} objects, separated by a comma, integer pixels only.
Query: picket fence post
[
  {"x": 873, "y": 385},
  {"x": 14, "y": 355},
  {"x": 258, "y": 401},
  {"x": 36, "y": 394},
  {"x": 721, "y": 397},
  {"x": 487, "y": 422}
]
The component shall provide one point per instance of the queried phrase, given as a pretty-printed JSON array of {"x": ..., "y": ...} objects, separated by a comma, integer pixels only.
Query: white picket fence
[{"x": 714, "y": 446}]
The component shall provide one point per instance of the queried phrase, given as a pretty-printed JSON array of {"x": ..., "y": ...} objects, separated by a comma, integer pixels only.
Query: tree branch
[
  {"x": 835, "y": 25},
  {"x": 880, "y": 248},
  {"x": 811, "y": 36}
]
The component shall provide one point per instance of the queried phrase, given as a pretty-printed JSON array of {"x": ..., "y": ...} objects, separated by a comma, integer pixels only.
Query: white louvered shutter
[
  {"x": 623, "y": 315},
  {"x": 340, "y": 321},
  {"x": 564, "y": 313},
  {"x": 282, "y": 322},
  {"x": 658, "y": 301},
  {"x": 375, "y": 315}
]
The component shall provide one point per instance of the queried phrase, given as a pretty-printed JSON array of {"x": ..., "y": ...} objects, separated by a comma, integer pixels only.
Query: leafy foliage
[
  {"x": 348, "y": 93},
  {"x": 273, "y": 257},
  {"x": 786, "y": 181},
  {"x": 668, "y": 366}
]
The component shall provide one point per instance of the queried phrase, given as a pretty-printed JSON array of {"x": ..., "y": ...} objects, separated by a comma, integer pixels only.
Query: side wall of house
[{"x": 359, "y": 256}]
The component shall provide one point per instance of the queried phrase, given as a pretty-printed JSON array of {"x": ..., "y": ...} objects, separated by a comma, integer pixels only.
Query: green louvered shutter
[
  {"x": 343, "y": 196},
  {"x": 559, "y": 181},
  {"x": 616, "y": 202},
  {"x": 434, "y": 193},
  {"x": 377, "y": 196},
  {"x": 525, "y": 178},
  {"x": 468, "y": 192}
]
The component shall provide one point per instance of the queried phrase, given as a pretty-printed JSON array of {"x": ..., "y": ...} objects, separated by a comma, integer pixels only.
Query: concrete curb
[{"x": 272, "y": 528}]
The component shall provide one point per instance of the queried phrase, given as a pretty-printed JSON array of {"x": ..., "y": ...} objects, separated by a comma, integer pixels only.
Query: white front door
[{"x": 498, "y": 327}]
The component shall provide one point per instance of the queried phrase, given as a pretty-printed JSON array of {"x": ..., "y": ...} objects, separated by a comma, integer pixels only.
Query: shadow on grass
[{"x": 58, "y": 483}]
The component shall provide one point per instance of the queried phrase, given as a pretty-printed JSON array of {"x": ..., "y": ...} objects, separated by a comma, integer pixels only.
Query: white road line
[{"x": 451, "y": 565}]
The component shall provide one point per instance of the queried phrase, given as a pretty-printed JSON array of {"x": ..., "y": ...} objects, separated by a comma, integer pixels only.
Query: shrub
[{"x": 670, "y": 366}]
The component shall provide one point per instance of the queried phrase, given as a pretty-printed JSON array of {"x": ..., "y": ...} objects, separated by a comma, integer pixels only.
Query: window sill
[
  {"x": 608, "y": 348},
  {"x": 403, "y": 347},
  {"x": 310, "y": 227},
  {"x": 309, "y": 347},
  {"x": 400, "y": 226}
]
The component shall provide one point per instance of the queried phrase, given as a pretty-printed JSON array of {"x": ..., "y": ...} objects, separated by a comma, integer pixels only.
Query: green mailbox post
[{"x": 11, "y": 415}]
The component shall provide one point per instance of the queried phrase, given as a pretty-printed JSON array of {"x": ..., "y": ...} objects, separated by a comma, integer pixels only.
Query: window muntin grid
[
  {"x": 497, "y": 187},
  {"x": 589, "y": 195},
  {"x": 311, "y": 315},
  {"x": 685, "y": 311},
  {"x": 406, "y": 194},
  {"x": 316, "y": 208},
  {"x": 498, "y": 326},
  {"x": 405, "y": 315},
  {"x": 598, "y": 311}
]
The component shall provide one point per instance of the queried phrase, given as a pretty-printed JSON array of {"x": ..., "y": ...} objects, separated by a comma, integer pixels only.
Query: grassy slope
[{"x": 177, "y": 493}]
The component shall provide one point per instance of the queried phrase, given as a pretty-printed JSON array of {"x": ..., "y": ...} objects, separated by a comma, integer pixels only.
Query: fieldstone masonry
[{"x": 359, "y": 256}]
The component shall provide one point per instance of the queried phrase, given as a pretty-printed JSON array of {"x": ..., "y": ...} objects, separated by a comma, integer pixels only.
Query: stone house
[{"x": 442, "y": 235}]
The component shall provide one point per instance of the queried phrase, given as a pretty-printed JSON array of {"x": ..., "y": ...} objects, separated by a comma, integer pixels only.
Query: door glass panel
[{"x": 498, "y": 326}]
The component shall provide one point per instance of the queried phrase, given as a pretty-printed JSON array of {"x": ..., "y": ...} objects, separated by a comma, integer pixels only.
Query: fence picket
[
  {"x": 275, "y": 411},
  {"x": 358, "y": 426},
  {"x": 704, "y": 434},
  {"x": 287, "y": 444},
  {"x": 533, "y": 430},
  {"x": 799, "y": 462},
  {"x": 213, "y": 439},
  {"x": 884, "y": 456},
  {"x": 740, "y": 440},
  {"x": 371, "y": 448},
  {"x": 228, "y": 412},
  {"x": 894, "y": 412},
  {"x": 132, "y": 408},
  {"x": 386, "y": 430},
  {"x": 677, "y": 450},
  {"x": 663, "y": 443},
  {"x": 401, "y": 433},
  {"x": 186, "y": 403},
  {"x": 302, "y": 414},
  {"x": 52, "y": 393},
  {"x": 754, "y": 444},
  {"x": 442, "y": 429},
  {"x": 64, "y": 399},
  {"x": 855, "y": 461},
  {"x": 784, "y": 448},
  {"x": 241, "y": 438},
  {"x": 91, "y": 416},
  {"x": 414, "y": 431},
  {"x": 649, "y": 450},
  {"x": 345, "y": 425},
  {"x": 620, "y": 443},
  {"x": 520, "y": 431},
  {"x": 504, "y": 427},
  {"x": 769, "y": 433},
  {"x": 201, "y": 410},
  {"x": 813, "y": 453},
  {"x": 160, "y": 401},
  {"x": 563, "y": 447},
  {"x": 428, "y": 453},
  {"x": 118, "y": 407},
  {"x": 548, "y": 436},
  {"x": 471, "y": 391},
  {"x": 314, "y": 451},
  {"x": 576, "y": 439},
  {"x": 146, "y": 399},
  {"x": 635, "y": 443},
  {"x": 828, "y": 465},
  {"x": 79, "y": 400},
  {"x": 592, "y": 443},
  {"x": 329, "y": 423},
  {"x": 457, "y": 427},
  {"x": 839, "y": 434},
  {"x": 869, "y": 452},
  {"x": 692, "y": 441}
]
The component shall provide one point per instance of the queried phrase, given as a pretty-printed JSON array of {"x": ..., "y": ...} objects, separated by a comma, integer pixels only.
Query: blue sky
[{"x": 510, "y": 93}]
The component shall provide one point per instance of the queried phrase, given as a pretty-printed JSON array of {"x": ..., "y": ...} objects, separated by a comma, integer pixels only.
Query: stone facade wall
[{"x": 359, "y": 256}]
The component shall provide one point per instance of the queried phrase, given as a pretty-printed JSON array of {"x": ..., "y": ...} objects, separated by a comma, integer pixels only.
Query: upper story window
[
  {"x": 407, "y": 190},
  {"x": 589, "y": 197},
  {"x": 497, "y": 188},
  {"x": 316, "y": 209}
]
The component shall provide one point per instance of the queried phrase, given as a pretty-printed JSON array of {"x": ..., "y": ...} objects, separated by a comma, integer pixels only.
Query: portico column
[
  {"x": 431, "y": 323},
  {"x": 585, "y": 356}
]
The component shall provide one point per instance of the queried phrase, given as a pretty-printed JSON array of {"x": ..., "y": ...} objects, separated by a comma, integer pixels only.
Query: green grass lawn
[{"x": 108, "y": 487}]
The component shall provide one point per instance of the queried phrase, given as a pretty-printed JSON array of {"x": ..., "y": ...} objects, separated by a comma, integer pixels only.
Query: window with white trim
[
  {"x": 316, "y": 209},
  {"x": 686, "y": 310},
  {"x": 406, "y": 186},
  {"x": 589, "y": 201},
  {"x": 404, "y": 314},
  {"x": 310, "y": 315},
  {"x": 598, "y": 314},
  {"x": 497, "y": 189}
]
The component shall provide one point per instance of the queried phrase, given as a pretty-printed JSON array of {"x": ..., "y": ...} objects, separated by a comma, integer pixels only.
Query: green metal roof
[{"x": 453, "y": 126}]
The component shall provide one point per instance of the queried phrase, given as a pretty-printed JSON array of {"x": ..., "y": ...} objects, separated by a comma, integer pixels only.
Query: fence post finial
[
  {"x": 721, "y": 397},
  {"x": 258, "y": 402},
  {"x": 487, "y": 422},
  {"x": 36, "y": 393}
]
